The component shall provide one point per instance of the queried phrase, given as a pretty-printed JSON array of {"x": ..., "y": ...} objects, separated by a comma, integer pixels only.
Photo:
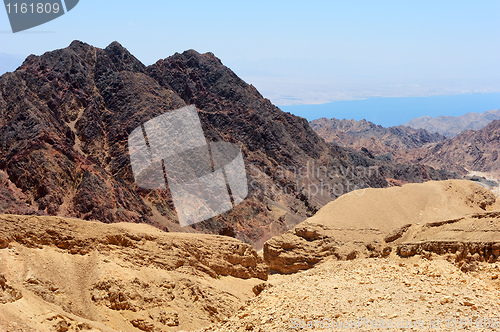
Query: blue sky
[{"x": 298, "y": 52}]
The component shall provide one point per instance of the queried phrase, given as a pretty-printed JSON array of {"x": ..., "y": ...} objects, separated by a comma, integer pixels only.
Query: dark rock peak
[
  {"x": 202, "y": 78},
  {"x": 208, "y": 56},
  {"x": 79, "y": 45},
  {"x": 120, "y": 55},
  {"x": 84, "y": 59}
]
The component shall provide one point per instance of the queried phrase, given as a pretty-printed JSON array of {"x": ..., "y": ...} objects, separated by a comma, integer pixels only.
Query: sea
[{"x": 395, "y": 111}]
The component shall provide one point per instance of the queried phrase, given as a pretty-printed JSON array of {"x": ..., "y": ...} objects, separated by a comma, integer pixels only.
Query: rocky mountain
[
  {"x": 451, "y": 126},
  {"x": 469, "y": 151},
  {"x": 375, "y": 138},
  {"x": 65, "y": 120}
]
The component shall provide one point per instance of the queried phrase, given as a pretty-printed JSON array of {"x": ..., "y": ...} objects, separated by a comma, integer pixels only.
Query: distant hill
[
  {"x": 469, "y": 151},
  {"x": 359, "y": 135},
  {"x": 451, "y": 126}
]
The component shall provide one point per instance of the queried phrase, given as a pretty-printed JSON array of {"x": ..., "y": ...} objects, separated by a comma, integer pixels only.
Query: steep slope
[
  {"x": 59, "y": 274},
  {"x": 469, "y": 151},
  {"x": 401, "y": 142},
  {"x": 63, "y": 144},
  {"x": 451, "y": 126},
  {"x": 65, "y": 119}
]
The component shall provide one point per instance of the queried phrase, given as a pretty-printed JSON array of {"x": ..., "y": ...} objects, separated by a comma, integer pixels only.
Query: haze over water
[{"x": 396, "y": 111}]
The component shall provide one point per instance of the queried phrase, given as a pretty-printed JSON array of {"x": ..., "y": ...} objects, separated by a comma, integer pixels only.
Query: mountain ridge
[
  {"x": 66, "y": 116},
  {"x": 451, "y": 126},
  {"x": 401, "y": 144},
  {"x": 469, "y": 151}
]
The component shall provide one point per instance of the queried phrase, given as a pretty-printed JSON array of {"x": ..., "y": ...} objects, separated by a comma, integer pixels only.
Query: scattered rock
[{"x": 8, "y": 293}]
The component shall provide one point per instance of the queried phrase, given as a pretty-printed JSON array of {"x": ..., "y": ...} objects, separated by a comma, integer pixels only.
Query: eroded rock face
[
  {"x": 309, "y": 244},
  {"x": 473, "y": 238},
  {"x": 131, "y": 273},
  {"x": 344, "y": 234},
  {"x": 212, "y": 255}
]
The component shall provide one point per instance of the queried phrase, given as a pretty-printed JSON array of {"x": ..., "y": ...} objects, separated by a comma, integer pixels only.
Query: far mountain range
[
  {"x": 465, "y": 150},
  {"x": 451, "y": 126}
]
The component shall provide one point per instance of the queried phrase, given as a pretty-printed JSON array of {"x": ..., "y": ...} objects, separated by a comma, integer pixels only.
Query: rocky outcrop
[
  {"x": 474, "y": 238},
  {"x": 309, "y": 244},
  {"x": 77, "y": 272},
  {"x": 212, "y": 255},
  {"x": 411, "y": 220}
]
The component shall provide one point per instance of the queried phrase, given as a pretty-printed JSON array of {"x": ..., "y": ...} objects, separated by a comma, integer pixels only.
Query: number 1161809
[{"x": 32, "y": 8}]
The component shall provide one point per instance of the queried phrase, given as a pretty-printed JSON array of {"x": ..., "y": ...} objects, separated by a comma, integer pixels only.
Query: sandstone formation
[
  {"x": 466, "y": 240},
  {"x": 374, "y": 222},
  {"x": 59, "y": 274}
]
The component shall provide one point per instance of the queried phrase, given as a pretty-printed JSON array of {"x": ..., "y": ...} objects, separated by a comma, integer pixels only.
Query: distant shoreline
[{"x": 394, "y": 111}]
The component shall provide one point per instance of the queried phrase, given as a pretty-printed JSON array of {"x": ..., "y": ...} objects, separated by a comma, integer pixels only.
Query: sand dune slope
[
  {"x": 389, "y": 208},
  {"x": 371, "y": 222}
]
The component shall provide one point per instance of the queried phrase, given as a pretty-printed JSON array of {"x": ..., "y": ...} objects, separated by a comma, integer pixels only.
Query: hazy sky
[{"x": 299, "y": 51}]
